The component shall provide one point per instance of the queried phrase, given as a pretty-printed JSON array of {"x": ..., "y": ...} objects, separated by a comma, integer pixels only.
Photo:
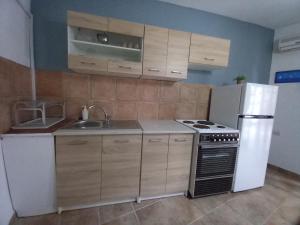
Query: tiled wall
[
  {"x": 124, "y": 98},
  {"x": 15, "y": 84}
]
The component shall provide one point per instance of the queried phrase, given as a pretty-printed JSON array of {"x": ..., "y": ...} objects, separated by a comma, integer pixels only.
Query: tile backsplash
[
  {"x": 124, "y": 98},
  {"x": 15, "y": 84}
]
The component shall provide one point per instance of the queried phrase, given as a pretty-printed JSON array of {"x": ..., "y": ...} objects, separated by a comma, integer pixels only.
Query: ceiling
[{"x": 268, "y": 13}]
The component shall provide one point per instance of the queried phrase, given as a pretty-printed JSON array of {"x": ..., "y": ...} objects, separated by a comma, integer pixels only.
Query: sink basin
[{"x": 101, "y": 125}]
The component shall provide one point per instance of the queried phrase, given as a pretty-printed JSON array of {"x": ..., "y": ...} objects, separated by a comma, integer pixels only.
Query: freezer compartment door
[
  {"x": 258, "y": 99},
  {"x": 253, "y": 153}
]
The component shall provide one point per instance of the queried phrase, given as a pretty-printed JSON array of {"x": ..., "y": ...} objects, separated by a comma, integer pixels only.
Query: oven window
[{"x": 215, "y": 161}]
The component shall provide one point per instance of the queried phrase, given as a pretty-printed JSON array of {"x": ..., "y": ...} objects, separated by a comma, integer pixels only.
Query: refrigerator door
[
  {"x": 225, "y": 105},
  {"x": 253, "y": 153},
  {"x": 258, "y": 99}
]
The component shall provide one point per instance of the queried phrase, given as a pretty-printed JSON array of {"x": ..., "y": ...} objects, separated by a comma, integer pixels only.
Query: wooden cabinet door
[
  {"x": 154, "y": 165},
  {"x": 179, "y": 161},
  {"x": 85, "y": 64},
  {"x": 121, "y": 157},
  {"x": 209, "y": 51},
  {"x": 127, "y": 68},
  {"x": 78, "y": 163},
  {"x": 178, "y": 54},
  {"x": 155, "y": 52},
  {"x": 84, "y": 20},
  {"x": 125, "y": 27}
]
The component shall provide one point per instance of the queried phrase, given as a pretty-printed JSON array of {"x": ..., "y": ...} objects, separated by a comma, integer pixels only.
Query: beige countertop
[
  {"x": 65, "y": 132},
  {"x": 164, "y": 127}
]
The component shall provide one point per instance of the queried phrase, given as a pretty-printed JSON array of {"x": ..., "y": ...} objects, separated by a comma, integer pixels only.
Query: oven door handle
[
  {"x": 202, "y": 146},
  {"x": 215, "y": 156}
]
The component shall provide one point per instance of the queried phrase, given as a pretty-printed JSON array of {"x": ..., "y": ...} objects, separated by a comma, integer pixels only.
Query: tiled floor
[{"x": 278, "y": 203}]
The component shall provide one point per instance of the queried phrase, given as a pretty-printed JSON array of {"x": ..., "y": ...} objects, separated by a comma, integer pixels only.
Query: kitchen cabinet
[
  {"x": 154, "y": 165},
  {"x": 179, "y": 161},
  {"x": 121, "y": 158},
  {"x": 105, "y": 46},
  {"x": 178, "y": 55},
  {"x": 166, "y": 163},
  {"x": 78, "y": 170},
  {"x": 155, "y": 52},
  {"x": 208, "y": 52}
]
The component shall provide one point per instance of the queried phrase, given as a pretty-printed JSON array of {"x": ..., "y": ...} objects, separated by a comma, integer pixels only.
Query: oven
[{"x": 213, "y": 163}]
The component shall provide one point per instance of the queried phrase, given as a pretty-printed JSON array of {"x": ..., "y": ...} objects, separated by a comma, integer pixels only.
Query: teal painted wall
[{"x": 251, "y": 45}]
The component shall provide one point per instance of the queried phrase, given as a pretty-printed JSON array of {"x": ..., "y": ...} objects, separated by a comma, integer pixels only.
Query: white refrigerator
[{"x": 250, "y": 108}]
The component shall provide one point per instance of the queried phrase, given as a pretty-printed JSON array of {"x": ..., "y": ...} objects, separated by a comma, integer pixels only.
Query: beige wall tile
[
  {"x": 98, "y": 114},
  {"x": 148, "y": 90},
  {"x": 74, "y": 107},
  {"x": 169, "y": 91},
  {"x": 202, "y": 111},
  {"x": 185, "y": 110},
  {"x": 21, "y": 80},
  {"x": 188, "y": 92},
  {"x": 76, "y": 86},
  {"x": 103, "y": 88},
  {"x": 49, "y": 84},
  {"x": 127, "y": 89},
  {"x": 204, "y": 94},
  {"x": 148, "y": 110},
  {"x": 167, "y": 111},
  {"x": 6, "y": 88},
  {"x": 125, "y": 110}
]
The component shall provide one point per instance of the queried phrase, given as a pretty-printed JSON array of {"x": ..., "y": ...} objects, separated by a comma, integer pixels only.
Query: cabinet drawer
[
  {"x": 78, "y": 163},
  {"x": 125, "y": 27},
  {"x": 87, "y": 21},
  {"x": 86, "y": 64},
  {"x": 125, "y": 67},
  {"x": 120, "y": 166},
  {"x": 180, "y": 151}
]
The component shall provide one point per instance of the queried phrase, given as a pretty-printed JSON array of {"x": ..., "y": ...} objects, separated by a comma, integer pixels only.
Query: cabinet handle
[
  {"x": 209, "y": 59},
  {"x": 121, "y": 141},
  {"x": 180, "y": 140},
  {"x": 125, "y": 67},
  {"x": 77, "y": 142},
  {"x": 154, "y": 140},
  {"x": 176, "y": 71},
  {"x": 88, "y": 63},
  {"x": 153, "y": 70}
]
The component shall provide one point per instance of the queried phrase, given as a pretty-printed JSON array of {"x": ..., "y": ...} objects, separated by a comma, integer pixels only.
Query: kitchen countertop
[{"x": 164, "y": 127}]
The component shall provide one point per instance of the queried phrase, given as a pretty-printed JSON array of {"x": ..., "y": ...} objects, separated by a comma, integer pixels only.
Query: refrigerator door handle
[{"x": 256, "y": 116}]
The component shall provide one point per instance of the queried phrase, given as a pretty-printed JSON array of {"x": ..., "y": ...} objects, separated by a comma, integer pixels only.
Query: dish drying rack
[{"x": 37, "y": 107}]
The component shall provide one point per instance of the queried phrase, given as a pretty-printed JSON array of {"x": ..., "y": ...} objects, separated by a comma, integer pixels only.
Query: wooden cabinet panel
[
  {"x": 179, "y": 160},
  {"x": 130, "y": 69},
  {"x": 125, "y": 27},
  {"x": 178, "y": 54},
  {"x": 209, "y": 51},
  {"x": 80, "y": 63},
  {"x": 78, "y": 163},
  {"x": 120, "y": 166},
  {"x": 87, "y": 21},
  {"x": 155, "y": 51},
  {"x": 154, "y": 164}
]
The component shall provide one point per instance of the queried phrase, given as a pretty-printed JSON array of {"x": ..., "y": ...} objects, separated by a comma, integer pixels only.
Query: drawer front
[
  {"x": 87, "y": 21},
  {"x": 78, "y": 163},
  {"x": 125, "y": 67},
  {"x": 125, "y": 27},
  {"x": 120, "y": 166},
  {"x": 154, "y": 165},
  {"x": 180, "y": 151},
  {"x": 87, "y": 64}
]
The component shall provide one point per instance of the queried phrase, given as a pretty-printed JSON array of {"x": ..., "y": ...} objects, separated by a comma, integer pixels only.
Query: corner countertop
[{"x": 164, "y": 127}]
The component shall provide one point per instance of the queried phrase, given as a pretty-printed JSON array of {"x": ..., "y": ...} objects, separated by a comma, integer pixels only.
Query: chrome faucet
[{"x": 106, "y": 115}]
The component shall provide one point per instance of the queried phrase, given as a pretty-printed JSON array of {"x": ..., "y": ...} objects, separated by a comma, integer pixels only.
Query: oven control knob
[
  {"x": 220, "y": 139},
  {"x": 224, "y": 139},
  {"x": 215, "y": 140}
]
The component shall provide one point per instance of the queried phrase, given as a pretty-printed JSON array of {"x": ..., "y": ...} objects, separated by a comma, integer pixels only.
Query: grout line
[
  {"x": 136, "y": 216},
  {"x": 158, "y": 200}
]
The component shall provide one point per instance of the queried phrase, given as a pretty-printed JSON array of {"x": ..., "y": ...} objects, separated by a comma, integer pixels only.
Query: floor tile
[
  {"x": 80, "y": 217},
  {"x": 170, "y": 211},
  {"x": 273, "y": 193},
  {"x": 222, "y": 215},
  {"x": 129, "y": 219},
  {"x": 207, "y": 204},
  {"x": 145, "y": 203},
  {"x": 51, "y": 219},
  {"x": 290, "y": 210},
  {"x": 253, "y": 206},
  {"x": 111, "y": 212},
  {"x": 276, "y": 219}
]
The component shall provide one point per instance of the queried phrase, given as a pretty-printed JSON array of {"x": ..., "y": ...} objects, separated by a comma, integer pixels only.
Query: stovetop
[{"x": 204, "y": 126}]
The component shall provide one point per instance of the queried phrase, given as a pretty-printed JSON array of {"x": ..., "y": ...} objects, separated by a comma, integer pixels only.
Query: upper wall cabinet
[
  {"x": 208, "y": 52},
  {"x": 102, "y": 45},
  {"x": 166, "y": 53}
]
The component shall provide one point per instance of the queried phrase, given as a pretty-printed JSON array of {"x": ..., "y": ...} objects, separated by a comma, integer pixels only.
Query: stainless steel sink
[{"x": 101, "y": 124}]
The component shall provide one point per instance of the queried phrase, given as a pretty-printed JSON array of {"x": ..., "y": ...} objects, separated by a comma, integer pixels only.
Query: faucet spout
[{"x": 106, "y": 115}]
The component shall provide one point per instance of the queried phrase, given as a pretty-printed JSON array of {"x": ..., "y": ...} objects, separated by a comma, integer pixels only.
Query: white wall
[
  {"x": 15, "y": 28},
  {"x": 6, "y": 210},
  {"x": 285, "y": 146}
]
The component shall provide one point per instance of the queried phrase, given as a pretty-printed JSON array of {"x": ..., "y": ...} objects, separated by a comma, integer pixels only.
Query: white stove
[{"x": 204, "y": 126}]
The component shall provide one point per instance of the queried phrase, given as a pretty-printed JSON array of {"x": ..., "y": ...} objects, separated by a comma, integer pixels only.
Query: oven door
[{"x": 215, "y": 161}]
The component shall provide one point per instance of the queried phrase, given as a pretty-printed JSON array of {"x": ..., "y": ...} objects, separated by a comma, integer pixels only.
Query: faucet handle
[{"x": 107, "y": 118}]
